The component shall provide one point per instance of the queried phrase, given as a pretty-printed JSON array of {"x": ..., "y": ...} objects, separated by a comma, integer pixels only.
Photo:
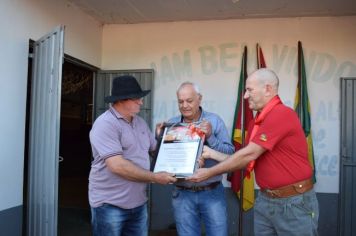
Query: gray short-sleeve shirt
[{"x": 112, "y": 135}]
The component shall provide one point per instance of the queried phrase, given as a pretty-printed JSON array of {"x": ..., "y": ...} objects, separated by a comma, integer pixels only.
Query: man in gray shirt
[{"x": 119, "y": 174}]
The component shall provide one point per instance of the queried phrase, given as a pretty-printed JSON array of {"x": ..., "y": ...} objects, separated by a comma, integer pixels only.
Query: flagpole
[
  {"x": 258, "y": 56},
  {"x": 242, "y": 140},
  {"x": 300, "y": 85}
]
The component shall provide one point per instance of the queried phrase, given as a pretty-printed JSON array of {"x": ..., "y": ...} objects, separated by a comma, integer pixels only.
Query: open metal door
[
  {"x": 44, "y": 134},
  {"x": 347, "y": 206}
]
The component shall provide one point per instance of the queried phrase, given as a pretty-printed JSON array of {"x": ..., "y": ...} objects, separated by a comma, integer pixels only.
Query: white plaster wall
[
  {"x": 209, "y": 53},
  {"x": 21, "y": 20}
]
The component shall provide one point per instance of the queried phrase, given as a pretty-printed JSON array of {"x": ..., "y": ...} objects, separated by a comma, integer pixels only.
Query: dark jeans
[
  {"x": 109, "y": 220},
  {"x": 192, "y": 208}
]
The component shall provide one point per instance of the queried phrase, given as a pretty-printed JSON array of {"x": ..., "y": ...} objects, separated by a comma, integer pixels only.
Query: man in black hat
[{"x": 119, "y": 174}]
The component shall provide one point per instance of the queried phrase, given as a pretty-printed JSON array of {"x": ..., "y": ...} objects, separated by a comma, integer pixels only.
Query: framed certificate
[{"x": 179, "y": 149}]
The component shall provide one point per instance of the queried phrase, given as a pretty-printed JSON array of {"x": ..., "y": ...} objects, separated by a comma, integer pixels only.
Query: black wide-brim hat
[{"x": 125, "y": 87}]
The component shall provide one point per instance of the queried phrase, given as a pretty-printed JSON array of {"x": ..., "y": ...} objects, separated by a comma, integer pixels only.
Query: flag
[
  {"x": 243, "y": 115},
  {"x": 261, "y": 63},
  {"x": 302, "y": 106}
]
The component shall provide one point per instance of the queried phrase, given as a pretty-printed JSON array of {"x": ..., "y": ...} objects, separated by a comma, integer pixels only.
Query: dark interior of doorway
[{"x": 74, "y": 150}]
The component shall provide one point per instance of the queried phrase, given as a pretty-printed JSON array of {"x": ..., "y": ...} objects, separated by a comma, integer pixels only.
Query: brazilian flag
[{"x": 302, "y": 106}]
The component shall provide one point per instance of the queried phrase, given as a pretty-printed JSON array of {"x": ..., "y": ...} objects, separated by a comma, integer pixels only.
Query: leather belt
[
  {"x": 289, "y": 190},
  {"x": 199, "y": 188}
]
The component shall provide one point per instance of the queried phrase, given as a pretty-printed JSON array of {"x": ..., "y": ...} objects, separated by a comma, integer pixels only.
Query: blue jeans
[
  {"x": 109, "y": 220},
  {"x": 208, "y": 206},
  {"x": 297, "y": 215}
]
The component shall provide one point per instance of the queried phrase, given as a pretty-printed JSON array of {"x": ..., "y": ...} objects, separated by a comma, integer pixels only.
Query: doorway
[{"x": 74, "y": 150}]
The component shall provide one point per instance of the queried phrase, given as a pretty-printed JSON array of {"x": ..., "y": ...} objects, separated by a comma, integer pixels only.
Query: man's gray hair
[
  {"x": 267, "y": 76},
  {"x": 188, "y": 83}
]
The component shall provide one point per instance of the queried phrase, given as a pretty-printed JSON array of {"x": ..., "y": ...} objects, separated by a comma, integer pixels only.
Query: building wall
[
  {"x": 209, "y": 53},
  {"x": 21, "y": 20}
]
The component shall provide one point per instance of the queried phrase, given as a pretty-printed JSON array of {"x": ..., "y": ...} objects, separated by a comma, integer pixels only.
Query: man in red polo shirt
[{"x": 277, "y": 151}]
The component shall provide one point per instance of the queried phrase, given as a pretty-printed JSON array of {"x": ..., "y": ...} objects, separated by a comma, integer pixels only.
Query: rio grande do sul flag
[{"x": 243, "y": 115}]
